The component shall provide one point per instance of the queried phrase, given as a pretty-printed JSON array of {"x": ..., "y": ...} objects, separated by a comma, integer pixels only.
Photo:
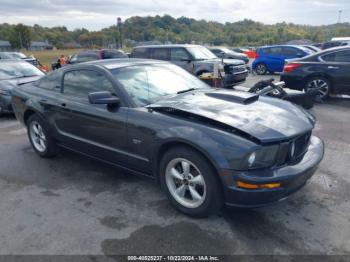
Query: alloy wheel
[
  {"x": 37, "y": 136},
  {"x": 261, "y": 69},
  {"x": 185, "y": 183},
  {"x": 321, "y": 85}
]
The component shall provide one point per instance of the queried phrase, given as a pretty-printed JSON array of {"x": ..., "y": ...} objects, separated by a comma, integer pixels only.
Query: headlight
[{"x": 264, "y": 157}]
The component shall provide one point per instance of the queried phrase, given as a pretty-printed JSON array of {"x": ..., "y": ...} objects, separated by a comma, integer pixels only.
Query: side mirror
[
  {"x": 186, "y": 60},
  {"x": 222, "y": 54},
  {"x": 103, "y": 98}
]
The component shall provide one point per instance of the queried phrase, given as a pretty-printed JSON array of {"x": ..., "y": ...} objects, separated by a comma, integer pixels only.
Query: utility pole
[
  {"x": 339, "y": 16},
  {"x": 119, "y": 24},
  {"x": 20, "y": 39}
]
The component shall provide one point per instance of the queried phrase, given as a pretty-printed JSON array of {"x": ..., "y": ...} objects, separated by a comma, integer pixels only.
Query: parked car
[
  {"x": 14, "y": 73},
  {"x": 327, "y": 71},
  {"x": 272, "y": 58},
  {"x": 205, "y": 146},
  {"x": 229, "y": 54},
  {"x": 90, "y": 55},
  {"x": 195, "y": 59},
  {"x": 334, "y": 43},
  {"x": 250, "y": 52},
  {"x": 19, "y": 55}
]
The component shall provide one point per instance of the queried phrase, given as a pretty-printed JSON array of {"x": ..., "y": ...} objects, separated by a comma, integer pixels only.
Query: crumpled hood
[
  {"x": 10, "y": 84},
  {"x": 266, "y": 119}
]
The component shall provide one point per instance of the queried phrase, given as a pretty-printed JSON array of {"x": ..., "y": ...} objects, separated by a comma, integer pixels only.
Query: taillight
[{"x": 290, "y": 67}]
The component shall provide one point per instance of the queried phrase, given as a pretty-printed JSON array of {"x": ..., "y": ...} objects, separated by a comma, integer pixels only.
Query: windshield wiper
[
  {"x": 24, "y": 76},
  {"x": 186, "y": 90}
]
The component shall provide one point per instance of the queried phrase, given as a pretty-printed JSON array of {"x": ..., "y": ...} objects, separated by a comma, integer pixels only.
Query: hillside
[{"x": 183, "y": 30}]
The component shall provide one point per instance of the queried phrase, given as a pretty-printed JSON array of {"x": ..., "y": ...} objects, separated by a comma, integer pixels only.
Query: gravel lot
[{"x": 75, "y": 205}]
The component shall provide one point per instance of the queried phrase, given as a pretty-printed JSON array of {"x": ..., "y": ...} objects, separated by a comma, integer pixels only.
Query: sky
[{"x": 97, "y": 14}]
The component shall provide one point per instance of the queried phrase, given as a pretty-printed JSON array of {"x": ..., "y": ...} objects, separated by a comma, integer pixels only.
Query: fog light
[
  {"x": 255, "y": 186},
  {"x": 251, "y": 159}
]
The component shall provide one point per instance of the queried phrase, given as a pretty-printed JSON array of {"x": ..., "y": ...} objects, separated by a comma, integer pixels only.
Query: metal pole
[{"x": 339, "y": 16}]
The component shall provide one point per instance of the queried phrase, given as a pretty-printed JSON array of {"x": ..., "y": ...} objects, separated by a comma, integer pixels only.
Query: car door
[
  {"x": 97, "y": 130},
  {"x": 274, "y": 58},
  {"x": 181, "y": 57},
  {"x": 338, "y": 67}
]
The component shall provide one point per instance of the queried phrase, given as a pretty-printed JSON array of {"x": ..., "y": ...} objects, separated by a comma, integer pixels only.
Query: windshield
[
  {"x": 201, "y": 53},
  {"x": 16, "y": 55},
  {"x": 148, "y": 84},
  {"x": 18, "y": 69},
  {"x": 226, "y": 50}
]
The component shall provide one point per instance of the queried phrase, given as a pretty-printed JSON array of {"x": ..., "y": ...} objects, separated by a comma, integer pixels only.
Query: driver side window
[
  {"x": 79, "y": 83},
  {"x": 179, "y": 54}
]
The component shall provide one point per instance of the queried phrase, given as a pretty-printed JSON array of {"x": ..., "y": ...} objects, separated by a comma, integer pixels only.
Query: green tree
[{"x": 20, "y": 37}]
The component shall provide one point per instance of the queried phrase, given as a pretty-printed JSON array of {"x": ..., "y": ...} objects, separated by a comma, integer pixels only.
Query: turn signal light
[
  {"x": 290, "y": 67},
  {"x": 255, "y": 186}
]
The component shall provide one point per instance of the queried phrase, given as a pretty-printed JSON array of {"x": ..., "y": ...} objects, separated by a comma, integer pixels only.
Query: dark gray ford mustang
[{"x": 207, "y": 147}]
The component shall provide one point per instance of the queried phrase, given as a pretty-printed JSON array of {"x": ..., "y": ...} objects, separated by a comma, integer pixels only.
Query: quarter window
[{"x": 82, "y": 82}]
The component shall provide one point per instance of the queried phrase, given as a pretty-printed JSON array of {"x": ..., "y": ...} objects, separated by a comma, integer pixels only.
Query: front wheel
[
  {"x": 40, "y": 138},
  {"x": 190, "y": 182}
]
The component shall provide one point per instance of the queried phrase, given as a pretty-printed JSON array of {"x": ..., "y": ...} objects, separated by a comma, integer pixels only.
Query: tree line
[{"x": 175, "y": 30}]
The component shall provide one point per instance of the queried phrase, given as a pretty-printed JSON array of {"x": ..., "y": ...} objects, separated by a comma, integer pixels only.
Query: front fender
[{"x": 223, "y": 149}]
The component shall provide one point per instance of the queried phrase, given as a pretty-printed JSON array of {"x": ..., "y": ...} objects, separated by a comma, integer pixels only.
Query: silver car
[{"x": 195, "y": 59}]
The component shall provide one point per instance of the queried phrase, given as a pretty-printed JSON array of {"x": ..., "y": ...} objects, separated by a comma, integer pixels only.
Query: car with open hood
[
  {"x": 206, "y": 147},
  {"x": 14, "y": 73}
]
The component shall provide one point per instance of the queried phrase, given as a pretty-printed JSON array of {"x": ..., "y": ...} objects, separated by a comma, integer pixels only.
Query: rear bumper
[
  {"x": 293, "y": 81},
  {"x": 291, "y": 177},
  {"x": 5, "y": 104}
]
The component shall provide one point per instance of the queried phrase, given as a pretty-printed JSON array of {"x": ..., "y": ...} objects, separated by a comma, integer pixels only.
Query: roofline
[{"x": 164, "y": 46}]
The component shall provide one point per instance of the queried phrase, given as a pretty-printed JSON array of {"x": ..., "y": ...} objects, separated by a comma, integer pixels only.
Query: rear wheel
[
  {"x": 321, "y": 84},
  {"x": 190, "y": 182},
  {"x": 261, "y": 69},
  {"x": 40, "y": 138}
]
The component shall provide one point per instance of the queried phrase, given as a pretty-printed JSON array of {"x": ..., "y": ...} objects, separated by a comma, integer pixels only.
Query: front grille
[
  {"x": 285, "y": 155},
  {"x": 231, "y": 69},
  {"x": 301, "y": 144}
]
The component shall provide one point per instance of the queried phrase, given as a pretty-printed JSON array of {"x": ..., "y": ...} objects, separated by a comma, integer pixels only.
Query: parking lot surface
[{"x": 74, "y": 205}]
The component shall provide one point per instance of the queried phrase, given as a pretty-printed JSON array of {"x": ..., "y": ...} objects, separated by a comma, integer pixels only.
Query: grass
[{"x": 46, "y": 57}]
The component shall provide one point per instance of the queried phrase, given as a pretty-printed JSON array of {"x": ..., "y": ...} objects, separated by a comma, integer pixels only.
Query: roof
[
  {"x": 122, "y": 62},
  {"x": 268, "y": 46},
  {"x": 38, "y": 43},
  {"x": 299, "y": 42},
  {"x": 337, "y": 48},
  {"x": 4, "y": 43},
  {"x": 164, "y": 46}
]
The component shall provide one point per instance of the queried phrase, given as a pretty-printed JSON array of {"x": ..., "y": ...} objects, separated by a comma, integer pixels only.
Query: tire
[
  {"x": 320, "y": 83},
  {"x": 201, "y": 178},
  {"x": 261, "y": 69},
  {"x": 39, "y": 137}
]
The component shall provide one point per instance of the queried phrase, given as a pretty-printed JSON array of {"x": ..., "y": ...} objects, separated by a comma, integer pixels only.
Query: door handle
[{"x": 333, "y": 67}]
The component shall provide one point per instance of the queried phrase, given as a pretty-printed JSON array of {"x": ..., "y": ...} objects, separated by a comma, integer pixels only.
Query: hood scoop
[{"x": 236, "y": 97}]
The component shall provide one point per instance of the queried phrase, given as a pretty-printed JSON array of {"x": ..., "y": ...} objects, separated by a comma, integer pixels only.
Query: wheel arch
[
  {"x": 162, "y": 149},
  {"x": 323, "y": 75}
]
